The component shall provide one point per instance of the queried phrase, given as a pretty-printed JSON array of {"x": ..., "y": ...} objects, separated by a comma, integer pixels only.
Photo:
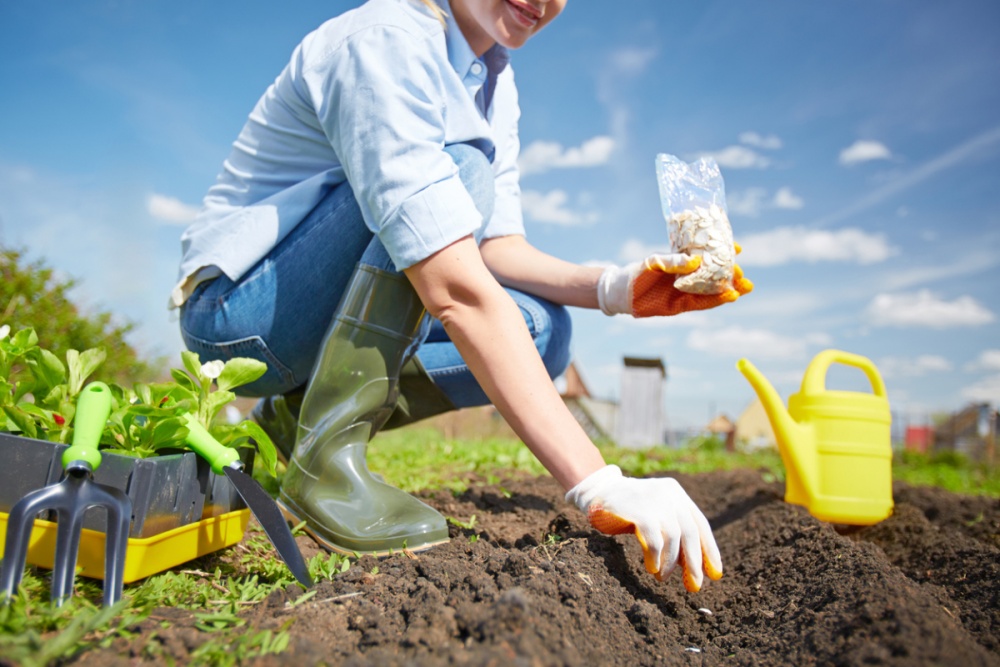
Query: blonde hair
[{"x": 435, "y": 10}]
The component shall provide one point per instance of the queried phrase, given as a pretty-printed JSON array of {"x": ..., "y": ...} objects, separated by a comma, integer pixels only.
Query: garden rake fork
[{"x": 70, "y": 499}]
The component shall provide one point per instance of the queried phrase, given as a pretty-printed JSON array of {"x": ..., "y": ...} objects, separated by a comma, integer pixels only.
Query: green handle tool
[
  {"x": 226, "y": 461},
  {"x": 93, "y": 406},
  {"x": 70, "y": 499},
  {"x": 218, "y": 455}
]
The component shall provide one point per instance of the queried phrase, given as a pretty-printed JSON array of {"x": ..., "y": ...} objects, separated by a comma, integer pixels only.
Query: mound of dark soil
[{"x": 532, "y": 584}]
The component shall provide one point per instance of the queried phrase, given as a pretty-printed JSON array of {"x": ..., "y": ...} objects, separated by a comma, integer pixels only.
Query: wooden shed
[{"x": 640, "y": 421}]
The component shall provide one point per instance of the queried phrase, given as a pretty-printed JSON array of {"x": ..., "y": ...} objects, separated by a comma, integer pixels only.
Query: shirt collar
[{"x": 460, "y": 54}]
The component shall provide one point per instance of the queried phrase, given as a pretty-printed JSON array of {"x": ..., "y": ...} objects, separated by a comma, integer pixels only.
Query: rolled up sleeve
[{"x": 384, "y": 114}]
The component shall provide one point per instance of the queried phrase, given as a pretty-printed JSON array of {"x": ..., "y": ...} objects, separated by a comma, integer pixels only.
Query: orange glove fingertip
[
  {"x": 742, "y": 284},
  {"x": 655, "y": 264},
  {"x": 692, "y": 265},
  {"x": 691, "y": 584},
  {"x": 712, "y": 572}
]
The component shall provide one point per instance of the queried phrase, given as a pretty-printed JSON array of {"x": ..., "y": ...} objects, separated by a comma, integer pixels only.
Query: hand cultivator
[{"x": 70, "y": 499}]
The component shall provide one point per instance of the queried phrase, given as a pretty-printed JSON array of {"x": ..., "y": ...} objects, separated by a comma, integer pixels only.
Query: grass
[
  {"x": 216, "y": 589},
  {"x": 415, "y": 459},
  {"x": 947, "y": 470}
]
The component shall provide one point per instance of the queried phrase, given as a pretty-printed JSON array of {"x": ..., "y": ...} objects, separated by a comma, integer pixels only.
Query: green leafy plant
[{"x": 38, "y": 393}]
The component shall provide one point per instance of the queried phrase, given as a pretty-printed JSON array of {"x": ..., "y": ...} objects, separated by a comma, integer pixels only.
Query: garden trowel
[{"x": 225, "y": 461}]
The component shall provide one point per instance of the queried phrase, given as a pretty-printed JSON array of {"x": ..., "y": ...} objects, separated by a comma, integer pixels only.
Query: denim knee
[
  {"x": 476, "y": 173},
  {"x": 551, "y": 328}
]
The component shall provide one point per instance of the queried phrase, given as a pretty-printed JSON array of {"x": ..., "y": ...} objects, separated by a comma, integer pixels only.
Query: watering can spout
[
  {"x": 795, "y": 441},
  {"x": 785, "y": 428}
]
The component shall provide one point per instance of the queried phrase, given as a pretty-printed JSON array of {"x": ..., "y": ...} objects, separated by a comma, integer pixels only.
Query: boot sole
[{"x": 291, "y": 516}]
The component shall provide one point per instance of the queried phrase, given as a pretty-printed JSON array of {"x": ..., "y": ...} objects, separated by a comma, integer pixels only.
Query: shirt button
[{"x": 476, "y": 69}]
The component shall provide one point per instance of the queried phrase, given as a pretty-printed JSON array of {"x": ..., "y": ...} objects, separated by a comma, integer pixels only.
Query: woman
[{"x": 375, "y": 182}]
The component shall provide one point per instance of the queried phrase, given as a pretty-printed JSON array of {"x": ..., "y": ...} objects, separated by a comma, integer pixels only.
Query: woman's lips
[{"x": 525, "y": 14}]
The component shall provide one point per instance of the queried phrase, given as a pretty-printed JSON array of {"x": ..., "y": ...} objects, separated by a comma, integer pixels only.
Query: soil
[{"x": 920, "y": 588}]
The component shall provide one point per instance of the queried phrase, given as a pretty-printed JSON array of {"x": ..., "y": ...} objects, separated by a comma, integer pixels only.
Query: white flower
[
  {"x": 212, "y": 369},
  {"x": 4, "y": 330}
]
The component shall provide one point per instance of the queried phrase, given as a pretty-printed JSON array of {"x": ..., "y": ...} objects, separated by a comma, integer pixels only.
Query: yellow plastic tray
[{"x": 145, "y": 555}]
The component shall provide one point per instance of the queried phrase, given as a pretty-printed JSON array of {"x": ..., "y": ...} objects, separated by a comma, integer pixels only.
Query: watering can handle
[
  {"x": 93, "y": 406},
  {"x": 814, "y": 381}
]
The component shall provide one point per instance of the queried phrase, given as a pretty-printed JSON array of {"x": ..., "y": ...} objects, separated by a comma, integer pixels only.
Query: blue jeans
[{"x": 280, "y": 310}]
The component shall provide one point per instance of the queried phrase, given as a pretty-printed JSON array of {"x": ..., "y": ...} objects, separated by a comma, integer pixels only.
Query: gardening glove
[
  {"x": 646, "y": 288},
  {"x": 669, "y": 526}
]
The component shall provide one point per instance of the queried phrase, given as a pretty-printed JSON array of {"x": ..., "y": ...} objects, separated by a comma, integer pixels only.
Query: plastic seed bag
[{"x": 694, "y": 203}]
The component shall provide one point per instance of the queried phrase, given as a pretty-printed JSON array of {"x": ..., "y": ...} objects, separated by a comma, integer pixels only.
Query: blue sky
[{"x": 859, "y": 141}]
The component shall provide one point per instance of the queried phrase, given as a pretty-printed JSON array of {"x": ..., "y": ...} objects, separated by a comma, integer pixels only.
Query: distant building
[
  {"x": 971, "y": 432},
  {"x": 597, "y": 417},
  {"x": 641, "y": 419},
  {"x": 724, "y": 427},
  {"x": 919, "y": 439},
  {"x": 753, "y": 428}
]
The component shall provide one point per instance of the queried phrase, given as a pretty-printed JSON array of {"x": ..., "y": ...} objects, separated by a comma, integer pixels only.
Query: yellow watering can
[{"x": 835, "y": 445}]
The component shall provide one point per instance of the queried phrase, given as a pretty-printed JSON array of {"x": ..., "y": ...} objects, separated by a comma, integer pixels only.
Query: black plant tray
[{"x": 166, "y": 491}]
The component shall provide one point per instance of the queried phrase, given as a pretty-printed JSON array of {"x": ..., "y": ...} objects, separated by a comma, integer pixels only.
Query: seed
[{"x": 705, "y": 232}]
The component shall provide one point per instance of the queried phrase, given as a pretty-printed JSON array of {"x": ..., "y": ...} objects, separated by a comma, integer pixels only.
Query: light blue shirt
[{"x": 371, "y": 97}]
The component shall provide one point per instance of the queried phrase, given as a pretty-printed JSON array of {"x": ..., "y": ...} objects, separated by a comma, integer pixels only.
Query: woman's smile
[{"x": 525, "y": 14}]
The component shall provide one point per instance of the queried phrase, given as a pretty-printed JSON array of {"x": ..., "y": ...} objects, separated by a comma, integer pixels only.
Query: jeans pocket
[{"x": 278, "y": 379}]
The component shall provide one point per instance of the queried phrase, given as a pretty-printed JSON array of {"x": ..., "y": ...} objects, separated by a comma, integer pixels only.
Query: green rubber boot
[
  {"x": 351, "y": 394},
  {"x": 279, "y": 417},
  {"x": 419, "y": 398}
]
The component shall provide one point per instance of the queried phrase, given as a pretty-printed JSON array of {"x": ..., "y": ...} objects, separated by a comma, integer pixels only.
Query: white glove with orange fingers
[
  {"x": 646, "y": 288},
  {"x": 669, "y": 526}
]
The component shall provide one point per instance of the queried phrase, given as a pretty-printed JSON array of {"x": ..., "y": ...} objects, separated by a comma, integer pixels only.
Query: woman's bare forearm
[
  {"x": 486, "y": 326},
  {"x": 516, "y": 263}
]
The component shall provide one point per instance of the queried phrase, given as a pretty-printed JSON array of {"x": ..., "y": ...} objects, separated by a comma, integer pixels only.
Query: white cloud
[
  {"x": 614, "y": 87},
  {"x": 90, "y": 234},
  {"x": 977, "y": 260},
  {"x": 755, "y": 343},
  {"x": 770, "y": 142},
  {"x": 980, "y": 144},
  {"x": 747, "y": 202},
  {"x": 905, "y": 367},
  {"x": 986, "y": 390},
  {"x": 541, "y": 156},
  {"x": 738, "y": 157},
  {"x": 864, "y": 151},
  {"x": 924, "y": 309},
  {"x": 551, "y": 208},
  {"x": 988, "y": 360},
  {"x": 785, "y": 245},
  {"x": 752, "y": 201},
  {"x": 785, "y": 198},
  {"x": 631, "y": 60},
  {"x": 170, "y": 210}
]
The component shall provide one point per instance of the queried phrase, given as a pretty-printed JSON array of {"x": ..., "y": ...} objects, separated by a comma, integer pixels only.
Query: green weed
[
  {"x": 947, "y": 470},
  {"x": 467, "y": 525}
]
